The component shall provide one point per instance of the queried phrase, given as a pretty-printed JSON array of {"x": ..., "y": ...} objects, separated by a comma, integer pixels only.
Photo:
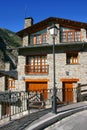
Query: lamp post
[{"x": 53, "y": 32}]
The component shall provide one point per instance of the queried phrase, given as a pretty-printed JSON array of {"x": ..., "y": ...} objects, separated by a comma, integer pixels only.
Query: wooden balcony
[{"x": 32, "y": 69}]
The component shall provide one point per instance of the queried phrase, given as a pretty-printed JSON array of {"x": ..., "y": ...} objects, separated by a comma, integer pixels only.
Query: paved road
[
  {"x": 22, "y": 123},
  {"x": 76, "y": 121},
  {"x": 41, "y": 119}
]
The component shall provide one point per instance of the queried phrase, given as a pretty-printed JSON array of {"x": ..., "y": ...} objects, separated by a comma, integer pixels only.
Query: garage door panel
[{"x": 40, "y": 87}]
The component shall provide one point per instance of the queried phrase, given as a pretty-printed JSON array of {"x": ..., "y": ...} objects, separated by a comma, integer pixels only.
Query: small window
[
  {"x": 72, "y": 58},
  {"x": 11, "y": 83}
]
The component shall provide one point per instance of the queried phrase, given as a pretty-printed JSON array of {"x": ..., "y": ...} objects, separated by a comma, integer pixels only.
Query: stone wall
[
  {"x": 20, "y": 84},
  {"x": 25, "y": 40},
  {"x": 63, "y": 70},
  {"x": 50, "y": 38},
  {"x": 78, "y": 71},
  {"x": 2, "y": 83},
  {"x": 83, "y": 33}
]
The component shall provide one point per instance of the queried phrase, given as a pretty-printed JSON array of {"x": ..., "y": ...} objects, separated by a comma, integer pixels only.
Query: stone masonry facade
[{"x": 62, "y": 70}]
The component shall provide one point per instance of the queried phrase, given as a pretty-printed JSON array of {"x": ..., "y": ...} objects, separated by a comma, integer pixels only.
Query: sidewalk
[
  {"x": 51, "y": 118},
  {"x": 77, "y": 121}
]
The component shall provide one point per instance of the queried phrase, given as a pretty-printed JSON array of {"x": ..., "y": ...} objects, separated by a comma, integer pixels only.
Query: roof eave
[{"x": 43, "y": 24}]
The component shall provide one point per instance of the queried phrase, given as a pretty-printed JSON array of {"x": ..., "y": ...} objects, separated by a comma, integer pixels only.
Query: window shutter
[{"x": 34, "y": 40}]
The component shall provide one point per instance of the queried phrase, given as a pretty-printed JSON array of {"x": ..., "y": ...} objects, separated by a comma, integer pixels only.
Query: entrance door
[
  {"x": 38, "y": 86},
  {"x": 5, "y": 109},
  {"x": 68, "y": 92}
]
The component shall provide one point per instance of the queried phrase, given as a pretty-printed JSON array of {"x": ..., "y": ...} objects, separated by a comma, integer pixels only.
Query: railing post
[
  {"x": 28, "y": 104},
  {"x": 79, "y": 92},
  {"x": 10, "y": 104}
]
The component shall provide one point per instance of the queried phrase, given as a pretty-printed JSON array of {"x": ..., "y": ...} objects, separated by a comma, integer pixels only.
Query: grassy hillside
[{"x": 8, "y": 40}]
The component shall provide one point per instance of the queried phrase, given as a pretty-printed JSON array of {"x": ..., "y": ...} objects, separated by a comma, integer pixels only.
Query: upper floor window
[
  {"x": 72, "y": 58},
  {"x": 40, "y": 39},
  {"x": 70, "y": 36}
]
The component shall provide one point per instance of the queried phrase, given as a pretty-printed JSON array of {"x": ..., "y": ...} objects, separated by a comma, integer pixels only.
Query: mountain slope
[{"x": 9, "y": 42}]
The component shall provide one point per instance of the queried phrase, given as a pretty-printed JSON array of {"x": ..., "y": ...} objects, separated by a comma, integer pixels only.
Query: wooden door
[
  {"x": 68, "y": 92},
  {"x": 40, "y": 87},
  {"x": 5, "y": 109}
]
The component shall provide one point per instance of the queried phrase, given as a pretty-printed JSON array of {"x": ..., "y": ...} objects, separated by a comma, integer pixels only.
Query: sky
[{"x": 13, "y": 12}]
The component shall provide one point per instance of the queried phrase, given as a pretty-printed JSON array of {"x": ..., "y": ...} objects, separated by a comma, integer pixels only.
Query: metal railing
[
  {"x": 81, "y": 92},
  {"x": 13, "y": 103}
]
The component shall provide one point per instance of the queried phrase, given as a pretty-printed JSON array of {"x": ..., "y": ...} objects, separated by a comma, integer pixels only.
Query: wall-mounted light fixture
[{"x": 67, "y": 73}]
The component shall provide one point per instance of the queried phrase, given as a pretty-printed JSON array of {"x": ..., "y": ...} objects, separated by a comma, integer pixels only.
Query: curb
[{"x": 47, "y": 122}]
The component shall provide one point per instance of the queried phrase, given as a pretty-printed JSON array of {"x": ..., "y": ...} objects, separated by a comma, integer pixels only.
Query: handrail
[{"x": 36, "y": 68}]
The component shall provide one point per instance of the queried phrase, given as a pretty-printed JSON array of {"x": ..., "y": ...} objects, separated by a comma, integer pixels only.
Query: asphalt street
[{"x": 76, "y": 121}]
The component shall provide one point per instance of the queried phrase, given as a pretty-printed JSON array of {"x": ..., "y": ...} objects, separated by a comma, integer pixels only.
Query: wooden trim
[
  {"x": 37, "y": 64},
  {"x": 36, "y": 80},
  {"x": 81, "y": 36},
  {"x": 72, "y": 36},
  {"x": 39, "y": 36},
  {"x": 71, "y": 52},
  {"x": 74, "y": 56},
  {"x": 34, "y": 39},
  {"x": 69, "y": 80},
  {"x": 36, "y": 69},
  {"x": 11, "y": 83}
]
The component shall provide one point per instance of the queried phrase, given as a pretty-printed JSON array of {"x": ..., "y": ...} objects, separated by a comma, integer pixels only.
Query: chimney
[{"x": 28, "y": 22}]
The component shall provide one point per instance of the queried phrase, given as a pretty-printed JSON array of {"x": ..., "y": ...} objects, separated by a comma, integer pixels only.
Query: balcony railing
[{"x": 36, "y": 69}]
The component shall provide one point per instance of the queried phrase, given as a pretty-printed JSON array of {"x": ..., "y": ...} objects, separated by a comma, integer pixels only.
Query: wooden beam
[
  {"x": 70, "y": 80},
  {"x": 36, "y": 80}
]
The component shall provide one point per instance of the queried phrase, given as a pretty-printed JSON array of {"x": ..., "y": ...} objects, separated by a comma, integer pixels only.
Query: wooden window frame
[
  {"x": 40, "y": 37},
  {"x": 72, "y": 58},
  {"x": 36, "y": 64},
  {"x": 11, "y": 83},
  {"x": 74, "y": 38}
]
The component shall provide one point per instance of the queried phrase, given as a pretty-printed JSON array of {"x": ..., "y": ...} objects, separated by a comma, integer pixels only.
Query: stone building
[
  {"x": 35, "y": 60},
  {"x": 7, "y": 84}
]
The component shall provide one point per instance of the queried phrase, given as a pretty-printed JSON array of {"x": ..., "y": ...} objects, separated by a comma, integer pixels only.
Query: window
[
  {"x": 63, "y": 37},
  {"x": 44, "y": 38},
  {"x": 77, "y": 36},
  {"x": 70, "y": 36},
  {"x": 72, "y": 58},
  {"x": 36, "y": 64},
  {"x": 11, "y": 83},
  {"x": 39, "y": 38}
]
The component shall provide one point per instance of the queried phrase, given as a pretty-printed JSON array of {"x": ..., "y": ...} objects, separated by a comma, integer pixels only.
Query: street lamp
[{"x": 53, "y": 32}]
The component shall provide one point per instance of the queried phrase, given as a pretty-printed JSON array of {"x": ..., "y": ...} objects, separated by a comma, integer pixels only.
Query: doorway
[
  {"x": 68, "y": 89},
  {"x": 67, "y": 92},
  {"x": 40, "y": 87}
]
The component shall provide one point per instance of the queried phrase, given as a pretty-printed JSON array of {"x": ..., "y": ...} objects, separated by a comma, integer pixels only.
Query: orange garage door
[{"x": 40, "y": 87}]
